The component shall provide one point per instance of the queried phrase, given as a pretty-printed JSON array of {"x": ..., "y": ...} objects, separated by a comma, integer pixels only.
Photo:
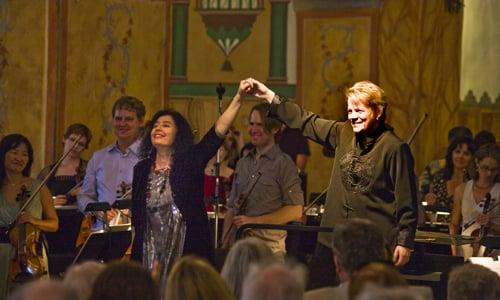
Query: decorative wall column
[
  {"x": 277, "y": 64},
  {"x": 180, "y": 10}
]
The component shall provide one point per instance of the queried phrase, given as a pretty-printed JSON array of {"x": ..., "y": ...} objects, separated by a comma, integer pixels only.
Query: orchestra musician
[
  {"x": 110, "y": 170},
  {"x": 65, "y": 183},
  {"x": 17, "y": 246},
  {"x": 266, "y": 188},
  {"x": 168, "y": 212},
  {"x": 372, "y": 175},
  {"x": 470, "y": 200}
]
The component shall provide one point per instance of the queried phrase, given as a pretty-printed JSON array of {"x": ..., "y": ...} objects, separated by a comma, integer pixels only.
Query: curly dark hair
[
  {"x": 124, "y": 280},
  {"x": 80, "y": 129},
  {"x": 464, "y": 140},
  {"x": 184, "y": 138},
  {"x": 10, "y": 142},
  {"x": 357, "y": 242}
]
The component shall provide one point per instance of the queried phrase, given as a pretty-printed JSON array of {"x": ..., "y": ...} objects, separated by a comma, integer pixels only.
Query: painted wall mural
[
  {"x": 22, "y": 58},
  {"x": 336, "y": 49},
  {"x": 229, "y": 23},
  {"x": 114, "y": 48},
  {"x": 4, "y": 27},
  {"x": 118, "y": 24}
]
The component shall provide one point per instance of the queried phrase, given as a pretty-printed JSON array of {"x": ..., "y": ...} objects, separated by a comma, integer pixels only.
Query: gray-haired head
[
  {"x": 81, "y": 277},
  {"x": 275, "y": 282},
  {"x": 43, "y": 290},
  {"x": 237, "y": 265}
]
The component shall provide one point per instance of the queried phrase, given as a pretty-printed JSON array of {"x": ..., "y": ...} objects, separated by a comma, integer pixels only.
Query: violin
[{"x": 28, "y": 262}]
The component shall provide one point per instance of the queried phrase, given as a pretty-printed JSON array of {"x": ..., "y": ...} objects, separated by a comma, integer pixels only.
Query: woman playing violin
[
  {"x": 64, "y": 184},
  {"x": 469, "y": 199},
  {"x": 16, "y": 158}
]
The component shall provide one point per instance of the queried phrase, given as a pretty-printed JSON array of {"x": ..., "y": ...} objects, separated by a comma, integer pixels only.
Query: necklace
[{"x": 482, "y": 187}]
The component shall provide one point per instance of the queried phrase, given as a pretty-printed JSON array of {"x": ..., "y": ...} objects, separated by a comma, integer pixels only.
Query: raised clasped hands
[{"x": 256, "y": 88}]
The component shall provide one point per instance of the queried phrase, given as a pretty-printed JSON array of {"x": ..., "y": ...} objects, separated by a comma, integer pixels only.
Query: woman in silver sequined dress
[{"x": 168, "y": 212}]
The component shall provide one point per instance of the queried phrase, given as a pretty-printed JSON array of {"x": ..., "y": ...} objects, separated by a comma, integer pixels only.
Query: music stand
[
  {"x": 108, "y": 244},
  {"x": 122, "y": 204},
  {"x": 105, "y": 245}
]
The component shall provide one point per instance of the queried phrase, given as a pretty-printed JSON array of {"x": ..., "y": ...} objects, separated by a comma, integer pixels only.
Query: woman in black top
[
  {"x": 64, "y": 183},
  {"x": 168, "y": 212}
]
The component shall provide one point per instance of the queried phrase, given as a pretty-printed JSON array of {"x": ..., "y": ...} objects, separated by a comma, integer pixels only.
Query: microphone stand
[{"x": 220, "y": 92}]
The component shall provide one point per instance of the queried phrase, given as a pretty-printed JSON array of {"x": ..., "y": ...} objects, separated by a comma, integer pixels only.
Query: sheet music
[{"x": 487, "y": 262}]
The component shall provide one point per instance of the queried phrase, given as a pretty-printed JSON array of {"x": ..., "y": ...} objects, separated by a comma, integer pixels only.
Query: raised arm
[
  {"x": 320, "y": 130},
  {"x": 224, "y": 122}
]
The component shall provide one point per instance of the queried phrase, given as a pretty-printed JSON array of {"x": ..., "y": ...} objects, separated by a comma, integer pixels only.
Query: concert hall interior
[{"x": 249, "y": 149}]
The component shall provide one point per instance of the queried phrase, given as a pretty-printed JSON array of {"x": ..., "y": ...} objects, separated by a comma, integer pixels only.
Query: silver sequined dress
[{"x": 165, "y": 228}]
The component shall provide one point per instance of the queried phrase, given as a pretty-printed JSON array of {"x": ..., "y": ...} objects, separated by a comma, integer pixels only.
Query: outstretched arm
[{"x": 226, "y": 119}]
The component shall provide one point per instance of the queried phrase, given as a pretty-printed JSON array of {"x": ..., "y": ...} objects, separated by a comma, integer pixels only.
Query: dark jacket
[{"x": 186, "y": 181}]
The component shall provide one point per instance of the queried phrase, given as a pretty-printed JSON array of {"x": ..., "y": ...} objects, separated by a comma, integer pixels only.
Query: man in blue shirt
[{"x": 110, "y": 170}]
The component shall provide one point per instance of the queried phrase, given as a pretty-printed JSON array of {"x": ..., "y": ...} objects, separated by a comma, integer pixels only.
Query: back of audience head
[
  {"x": 123, "y": 280},
  {"x": 43, "y": 290},
  {"x": 357, "y": 242},
  {"x": 80, "y": 278},
  {"x": 381, "y": 274},
  {"x": 376, "y": 292},
  {"x": 472, "y": 281},
  {"x": 237, "y": 265},
  {"x": 194, "y": 278},
  {"x": 274, "y": 282},
  {"x": 484, "y": 137},
  {"x": 459, "y": 132}
]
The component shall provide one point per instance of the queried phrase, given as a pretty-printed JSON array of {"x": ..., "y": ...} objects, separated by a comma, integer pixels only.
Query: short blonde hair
[
  {"x": 194, "y": 278},
  {"x": 369, "y": 94}
]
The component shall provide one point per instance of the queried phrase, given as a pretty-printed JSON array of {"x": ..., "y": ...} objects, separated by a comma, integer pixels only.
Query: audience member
[
  {"x": 81, "y": 277},
  {"x": 275, "y": 282},
  {"x": 356, "y": 242},
  {"x": 472, "y": 281},
  {"x": 43, "y": 290},
  {"x": 193, "y": 278},
  {"x": 124, "y": 280},
  {"x": 377, "y": 273},
  {"x": 237, "y": 265},
  {"x": 374, "y": 292}
]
